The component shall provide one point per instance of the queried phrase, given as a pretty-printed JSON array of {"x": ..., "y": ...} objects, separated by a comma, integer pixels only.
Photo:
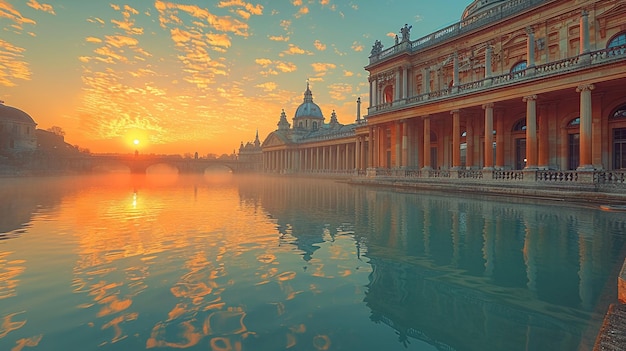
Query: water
[{"x": 218, "y": 262}]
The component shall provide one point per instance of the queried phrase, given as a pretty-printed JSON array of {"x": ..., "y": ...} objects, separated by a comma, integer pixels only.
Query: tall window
[
  {"x": 619, "y": 138},
  {"x": 573, "y": 143},
  {"x": 520, "y": 143},
  {"x": 519, "y": 69},
  {"x": 619, "y": 148}
]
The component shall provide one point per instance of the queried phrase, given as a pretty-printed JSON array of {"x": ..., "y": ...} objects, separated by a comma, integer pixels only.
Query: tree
[{"x": 56, "y": 130}]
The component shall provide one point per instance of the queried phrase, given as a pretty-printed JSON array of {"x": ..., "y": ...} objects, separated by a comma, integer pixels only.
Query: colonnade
[
  {"x": 407, "y": 143},
  {"x": 347, "y": 155}
]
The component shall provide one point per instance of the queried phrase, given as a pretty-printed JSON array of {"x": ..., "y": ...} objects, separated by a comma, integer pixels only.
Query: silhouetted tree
[{"x": 56, "y": 130}]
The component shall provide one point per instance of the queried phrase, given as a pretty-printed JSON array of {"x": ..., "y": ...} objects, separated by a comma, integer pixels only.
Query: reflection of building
[
  {"x": 516, "y": 91},
  {"x": 17, "y": 130}
]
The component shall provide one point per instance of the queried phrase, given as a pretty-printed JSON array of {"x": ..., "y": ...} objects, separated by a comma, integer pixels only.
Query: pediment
[{"x": 273, "y": 140}]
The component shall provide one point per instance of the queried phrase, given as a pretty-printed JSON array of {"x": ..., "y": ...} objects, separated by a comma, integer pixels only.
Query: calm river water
[{"x": 219, "y": 262}]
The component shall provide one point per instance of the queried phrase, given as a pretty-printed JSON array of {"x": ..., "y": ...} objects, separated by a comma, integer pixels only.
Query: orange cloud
[
  {"x": 321, "y": 68},
  {"x": 319, "y": 45},
  {"x": 278, "y": 38},
  {"x": 8, "y": 11},
  {"x": 41, "y": 7},
  {"x": 294, "y": 50},
  {"x": 12, "y": 65},
  {"x": 338, "y": 91},
  {"x": 356, "y": 46}
]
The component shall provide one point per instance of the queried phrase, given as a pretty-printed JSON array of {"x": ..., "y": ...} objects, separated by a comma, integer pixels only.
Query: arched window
[
  {"x": 574, "y": 122},
  {"x": 519, "y": 69},
  {"x": 519, "y": 126},
  {"x": 618, "y": 40},
  {"x": 388, "y": 94},
  {"x": 620, "y": 113},
  {"x": 315, "y": 125}
]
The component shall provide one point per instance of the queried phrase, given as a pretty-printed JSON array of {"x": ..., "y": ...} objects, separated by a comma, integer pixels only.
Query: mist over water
[{"x": 225, "y": 262}]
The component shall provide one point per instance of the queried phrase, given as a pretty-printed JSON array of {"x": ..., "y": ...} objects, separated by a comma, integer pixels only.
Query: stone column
[
  {"x": 426, "y": 81},
  {"x": 405, "y": 143},
  {"x": 398, "y": 142},
  {"x": 499, "y": 139},
  {"x": 584, "y": 32},
  {"x": 469, "y": 142},
  {"x": 397, "y": 90},
  {"x": 405, "y": 81},
  {"x": 585, "y": 126},
  {"x": 530, "y": 48},
  {"x": 427, "y": 163},
  {"x": 531, "y": 132},
  {"x": 488, "y": 136},
  {"x": 373, "y": 91},
  {"x": 357, "y": 153},
  {"x": 370, "y": 149},
  {"x": 544, "y": 140},
  {"x": 488, "y": 52},
  {"x": 456, "y": 139},
  {"x": 455, "y": 74}
]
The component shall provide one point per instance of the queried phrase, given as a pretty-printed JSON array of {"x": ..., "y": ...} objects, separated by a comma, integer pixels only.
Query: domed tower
[
  {"x": 17, "y": 130},
  {"x": 308, "y": 115},
  {"x": 479, "y": 6}
]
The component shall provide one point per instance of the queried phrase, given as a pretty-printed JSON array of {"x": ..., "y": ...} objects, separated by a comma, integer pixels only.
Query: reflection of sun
[{"x": 136, "y": 141}]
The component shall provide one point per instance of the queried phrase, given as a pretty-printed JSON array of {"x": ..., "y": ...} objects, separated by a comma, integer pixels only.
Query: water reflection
[{"x": 221, "y": 263}]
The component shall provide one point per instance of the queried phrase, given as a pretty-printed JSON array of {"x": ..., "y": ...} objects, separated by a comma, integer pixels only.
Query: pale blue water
[{"x": 226, "y": 263}]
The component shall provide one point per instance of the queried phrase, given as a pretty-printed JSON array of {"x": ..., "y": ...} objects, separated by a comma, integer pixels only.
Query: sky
[{"x": 186, "y": 76}]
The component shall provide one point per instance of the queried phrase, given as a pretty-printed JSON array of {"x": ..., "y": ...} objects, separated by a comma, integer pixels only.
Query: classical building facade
[
  {"x": 311, "y": 145},
  {"x": 17, "y": 130},
  {"x": 517, "y": 89}
]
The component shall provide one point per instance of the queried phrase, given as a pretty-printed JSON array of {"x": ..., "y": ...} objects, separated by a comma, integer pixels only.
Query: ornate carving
[
  {"x": 377, "y": 48},
  {"x": 585, "y": 87},
  {"x": 529, "y": 98}
]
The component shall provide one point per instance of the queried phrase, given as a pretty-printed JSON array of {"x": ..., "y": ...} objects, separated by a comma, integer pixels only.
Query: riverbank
[{"x": 580, "y": 193}]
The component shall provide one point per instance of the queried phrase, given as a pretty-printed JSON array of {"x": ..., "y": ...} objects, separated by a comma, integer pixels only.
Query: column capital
[
  {"x": 530, "y": 31},
  {"x": 584, "y": 87},
  {"x": 488, "y": 105},
  {"x": 424, "y": 117},
  {"x": 529, "y": 98},
  {"x": 455, "y": 111}
]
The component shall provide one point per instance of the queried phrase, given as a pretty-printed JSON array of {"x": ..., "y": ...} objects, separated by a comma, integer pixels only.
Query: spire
[
  {"x": 257, "y": 143},
  {"x": 308, "y": 95},
  {"x": 282, "y": 123}
]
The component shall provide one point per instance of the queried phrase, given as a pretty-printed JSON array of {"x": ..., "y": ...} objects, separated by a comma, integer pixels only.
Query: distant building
[
  {"x": 310, "y": 144},
  {"x": 17, "y": 130},
  {"x": 251, "y": 155}
]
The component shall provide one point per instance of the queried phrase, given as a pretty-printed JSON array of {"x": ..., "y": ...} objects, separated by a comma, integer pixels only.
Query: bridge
[{"x": 141, "y": 163}]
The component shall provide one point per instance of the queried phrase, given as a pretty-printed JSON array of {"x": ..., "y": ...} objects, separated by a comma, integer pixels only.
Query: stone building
[
  {"x": 515, "y": 85},
  {"x": 528, "y": 90},
  {"x": 310, "y": 144},
  {"x": 17, "y": 130}
]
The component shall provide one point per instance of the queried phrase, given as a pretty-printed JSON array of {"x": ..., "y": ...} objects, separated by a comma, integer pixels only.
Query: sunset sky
[{"x": 194, "y": 76}]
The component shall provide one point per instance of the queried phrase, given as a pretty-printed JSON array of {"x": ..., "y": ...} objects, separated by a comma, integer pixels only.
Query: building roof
[
  {"x": 308, "y": 108},
  {"x": 12, "y": 114},
  {"x": 478, "y": 6}
]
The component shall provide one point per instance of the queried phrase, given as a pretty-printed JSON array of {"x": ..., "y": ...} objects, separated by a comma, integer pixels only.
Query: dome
[
  {"x": 308, "y": 108},
  {"x": 12, "y": 114},
  {"x": 479, "y": 6}
]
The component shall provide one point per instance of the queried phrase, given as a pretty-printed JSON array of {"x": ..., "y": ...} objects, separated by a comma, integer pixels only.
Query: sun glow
[{"x": 136, "y": 141}]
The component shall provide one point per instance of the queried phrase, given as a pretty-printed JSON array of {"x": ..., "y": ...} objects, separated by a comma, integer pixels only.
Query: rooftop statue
[{"x": 406, "y": 32}]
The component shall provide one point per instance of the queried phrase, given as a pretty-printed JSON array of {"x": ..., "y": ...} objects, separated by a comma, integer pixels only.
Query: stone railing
[
  {"x": 481, "y": 19},
  {"x": 557, "y": 176},
  {"x": 610, "y": 177},
  {"x": 470, "y": 173}
]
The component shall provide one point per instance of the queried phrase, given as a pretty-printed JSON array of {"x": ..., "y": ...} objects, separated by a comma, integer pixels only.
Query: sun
[{"x": 136, "y": 141}]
